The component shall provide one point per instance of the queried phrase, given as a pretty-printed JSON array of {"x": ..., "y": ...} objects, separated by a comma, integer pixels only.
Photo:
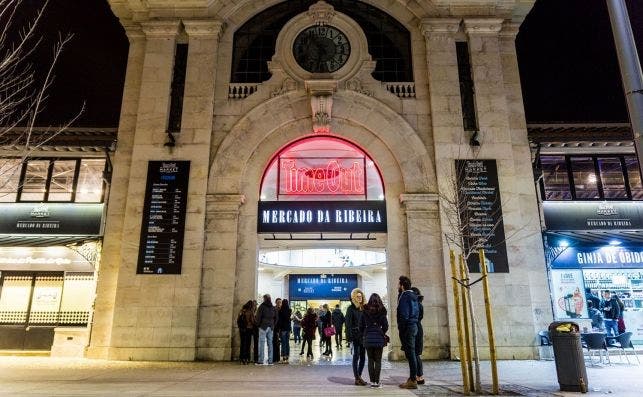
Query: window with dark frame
[
  {"x": 467, "y": 93},
  {"x": 53, "y": 180},
  {"x": 177, "y": 88},
  {"x": 597, "y": 177}
]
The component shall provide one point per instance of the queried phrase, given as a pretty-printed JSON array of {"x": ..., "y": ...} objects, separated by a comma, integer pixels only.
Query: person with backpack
[
  {"x": 407, "y": 325},
  {"x": 245, "y": 322},
  {"x": 373, "y": 326},
  {"x": 338, "y": 323}
]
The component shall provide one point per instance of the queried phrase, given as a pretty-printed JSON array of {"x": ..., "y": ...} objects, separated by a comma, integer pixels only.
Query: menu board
[
  {"x": 166, "y": 194},
  {"x": 481, "y": 214}
]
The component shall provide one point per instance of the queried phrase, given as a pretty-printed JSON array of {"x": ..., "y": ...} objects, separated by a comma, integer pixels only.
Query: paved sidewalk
[{"x": 27, "y": 376}]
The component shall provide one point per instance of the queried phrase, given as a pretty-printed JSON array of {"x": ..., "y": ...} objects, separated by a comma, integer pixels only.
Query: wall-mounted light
[{"x": 474, "y": 139}]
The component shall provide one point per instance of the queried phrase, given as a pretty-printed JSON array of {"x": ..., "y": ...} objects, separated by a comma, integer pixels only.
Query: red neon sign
[{"x": 321, "y": 176}]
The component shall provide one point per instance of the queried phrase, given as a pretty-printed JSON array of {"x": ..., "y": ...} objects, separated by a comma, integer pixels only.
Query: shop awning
[
  {"x": 16, "y": 240},
  {"x": 595, "y": 237}
]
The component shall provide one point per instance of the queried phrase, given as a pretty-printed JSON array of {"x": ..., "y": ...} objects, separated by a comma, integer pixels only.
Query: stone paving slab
[{"x": 40, "y": 376}]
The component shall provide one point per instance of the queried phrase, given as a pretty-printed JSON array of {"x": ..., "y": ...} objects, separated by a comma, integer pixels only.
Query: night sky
[{"x": 565, "y": 49}]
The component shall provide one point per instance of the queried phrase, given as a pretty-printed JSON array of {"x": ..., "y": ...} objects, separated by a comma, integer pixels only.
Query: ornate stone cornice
[
  {"x": 201, "y": 28},
  {"x": 133, "y": 31},
  {"x": 419, "y": 202},
  {"x": 160, "y": 29},
  {"x": 321, "y": 13},
  {"x": 224, "y": 203},
  {"x": 439, "y": 26},
  {"x": 482, "y": 26}
]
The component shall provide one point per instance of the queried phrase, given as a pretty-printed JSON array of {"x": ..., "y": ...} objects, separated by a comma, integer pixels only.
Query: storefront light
[
  {"x": 563, "y": 243},
  {"x": 614, "y": 242},
  {"x": 381, "y": 197}
]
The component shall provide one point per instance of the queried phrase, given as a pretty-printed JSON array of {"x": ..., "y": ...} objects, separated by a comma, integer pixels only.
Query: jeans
[
  {"x": 244, "y": 353},
  {"x": 297, "y": 334},
  {"x": 265, "y": 336},
  {"x": 255, "y": 344},
  {"x": 611, "y": 327},
  {"x": 374, "y": 363},
  {"x": 285, "y": 343},
  {"x": 359, "y": 357},
  {"x": 407, "y": 337}
]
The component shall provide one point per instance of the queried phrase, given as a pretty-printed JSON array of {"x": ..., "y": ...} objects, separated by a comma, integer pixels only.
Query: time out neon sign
[{"x": 322, "y": 176}]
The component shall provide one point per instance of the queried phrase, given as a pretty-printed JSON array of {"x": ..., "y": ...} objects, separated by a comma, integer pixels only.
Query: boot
[
  {"x": 360, "y": 382},
  {"x": 409, "y": 384}
]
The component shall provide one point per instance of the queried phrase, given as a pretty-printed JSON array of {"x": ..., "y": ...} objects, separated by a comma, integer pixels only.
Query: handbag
[{"x": 329, "y": 331}]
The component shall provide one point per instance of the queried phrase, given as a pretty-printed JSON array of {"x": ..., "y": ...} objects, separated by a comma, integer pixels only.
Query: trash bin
[{"x": 568, "y": 355}]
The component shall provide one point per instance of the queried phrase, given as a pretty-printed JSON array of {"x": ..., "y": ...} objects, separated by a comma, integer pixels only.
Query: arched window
[
  {"x": 321, "y": 168},
  {"x": 389, "y": 42}
]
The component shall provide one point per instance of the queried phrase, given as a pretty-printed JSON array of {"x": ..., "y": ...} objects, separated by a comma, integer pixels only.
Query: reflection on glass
[
  {"x": 612, "y": 178},
  {"x": 9, "y": 177},
  {"x": 90, "y": 181},
  {"x": 555, "y": 178},
  {"x": 33, "y": 187},
  {"x": 584, "y": 176},
  {"x": 634, "y": 176},
  {"x": 62, "y": 180}
]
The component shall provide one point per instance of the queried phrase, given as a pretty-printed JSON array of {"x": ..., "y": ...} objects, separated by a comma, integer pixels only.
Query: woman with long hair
[
  {"x": 353, "y": 317},
  {"x": 309, "y": 325},
  {"x": 246, "y": 323},
  {"x": 285, "y": 312},
  {"x": 327, "y": 321},
  {"x": 373, "y": 326}
]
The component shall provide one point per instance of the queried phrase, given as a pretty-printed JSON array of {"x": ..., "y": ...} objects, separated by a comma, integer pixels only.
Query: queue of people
[{"x": 366, "y": 326}]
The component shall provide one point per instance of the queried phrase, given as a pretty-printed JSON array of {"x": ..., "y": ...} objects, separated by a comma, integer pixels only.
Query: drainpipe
[{"x": 631, "y": 74}]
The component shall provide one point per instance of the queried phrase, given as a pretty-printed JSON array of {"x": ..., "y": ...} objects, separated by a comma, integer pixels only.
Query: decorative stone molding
[
  {"x": 431, "y": 27},
  {"x": 160, "y": 29},
  {"x": 224, "y": 204},
  {"x": 509, "y": 30},
  {"x": 321, "y": 13},
  {"x": 482, "y": 26},
  {"x": 133, "y": 31},
  {"x": 419, "y": 202},
  {"x": 201, "y": 28},
  {"x": 355, "y": 84},
  {"x": 321, "y": 102},
  {"x": 287, "y": 85}
]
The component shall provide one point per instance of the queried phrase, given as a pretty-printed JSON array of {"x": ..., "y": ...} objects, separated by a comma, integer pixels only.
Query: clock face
[{"x": 321, "y": 49}]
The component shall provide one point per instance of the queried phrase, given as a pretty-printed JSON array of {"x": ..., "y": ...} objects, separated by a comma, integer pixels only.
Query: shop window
[
  {"x": 61, "y": 184},
  {"x": 584, "y": 177},
  {"x": 34, "y": 185},
  {"x": 90, "y": 181},
  {"x": 634, "y": 177},
  {"x": 612, "y": 178},
  {"x": 9, "y": 178},
  {"x": 555, "y": 178}
]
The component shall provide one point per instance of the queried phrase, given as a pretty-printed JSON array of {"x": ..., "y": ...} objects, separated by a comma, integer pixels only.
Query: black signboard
[
  {"x": 166, "y": 195},
  {"x": 593, "y": 215},
  {"x": 481, "y": 213},
  {"x": 321, "y": 216},
  {"x": 51, "y": 218}
]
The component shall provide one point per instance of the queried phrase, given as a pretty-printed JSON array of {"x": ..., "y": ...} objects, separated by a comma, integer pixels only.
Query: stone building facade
[{"x": 230, "y": 132}]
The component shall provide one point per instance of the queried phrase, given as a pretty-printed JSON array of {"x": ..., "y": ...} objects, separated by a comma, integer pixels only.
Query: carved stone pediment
[
  {"x": 321, "y": 13},
  {"x": 321, "y": 103}
]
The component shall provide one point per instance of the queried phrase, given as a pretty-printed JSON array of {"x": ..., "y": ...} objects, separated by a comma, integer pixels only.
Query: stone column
[
  {"x": 216, "y": 309},
  {"x": 122, "y": 158},
  {"x": 426, "y": 270}
]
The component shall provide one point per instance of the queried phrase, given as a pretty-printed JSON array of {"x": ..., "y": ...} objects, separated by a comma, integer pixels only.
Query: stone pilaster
[
  {"x": 122, "y": 158},
  {"x": 216, "y": 308},
  {"x": 425, "y": 269}
]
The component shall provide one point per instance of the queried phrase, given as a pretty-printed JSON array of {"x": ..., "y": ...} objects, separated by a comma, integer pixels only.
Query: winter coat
[
  {"x": 407, "y": 309},
  {"x": 338, "y": 318},
  {"x": 245, "y": 320},
  {"x": 283, "y": 322},
  {"x": 419, "y": 337},
  {"x": 266, "y": 316},
  {"x": 373, "y": 326},
  {"x": 353, "y": 317},
  {"x": 296, "y": 320},
  {"x": 309, "y": 325},
  {"x": 326, "y": 319},
  {"x": 610, "y": 309}
]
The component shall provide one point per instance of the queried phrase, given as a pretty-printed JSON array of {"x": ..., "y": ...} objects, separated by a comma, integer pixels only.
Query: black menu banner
[
  {"x": 166, "y": 195},
  {"x": 481, "y": 213}
]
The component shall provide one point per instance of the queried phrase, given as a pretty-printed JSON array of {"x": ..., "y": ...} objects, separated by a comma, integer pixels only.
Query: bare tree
[{"x": 23, "y": 93}]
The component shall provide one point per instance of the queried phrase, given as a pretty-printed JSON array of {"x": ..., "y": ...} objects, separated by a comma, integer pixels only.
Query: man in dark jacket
[
  {"x": 266, "y": 318},
  {"x": 611, "y": 311},
  {"x": 338, "y": 323},
  {"x": 407, "y": 319}
]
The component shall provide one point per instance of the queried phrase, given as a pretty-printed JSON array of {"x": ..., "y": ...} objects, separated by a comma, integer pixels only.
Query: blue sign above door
[
  {"x": 599, "y": 257},
  {"x": 321, "y": 286}
]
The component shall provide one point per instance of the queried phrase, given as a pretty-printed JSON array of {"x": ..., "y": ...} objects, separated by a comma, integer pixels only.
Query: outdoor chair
[
  {"x": 546, "y": 349},
  {"x": 596, "y": 341},
  {"x": 544, "y": 338},
  {"x": 620, "y": 343}
]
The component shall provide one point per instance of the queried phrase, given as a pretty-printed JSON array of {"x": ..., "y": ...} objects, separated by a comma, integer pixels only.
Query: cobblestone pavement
[{"x": 28, "y": 376}]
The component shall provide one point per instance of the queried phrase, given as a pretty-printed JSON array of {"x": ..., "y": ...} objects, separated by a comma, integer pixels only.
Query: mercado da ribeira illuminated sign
[{"x": 321, "y": 216}]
